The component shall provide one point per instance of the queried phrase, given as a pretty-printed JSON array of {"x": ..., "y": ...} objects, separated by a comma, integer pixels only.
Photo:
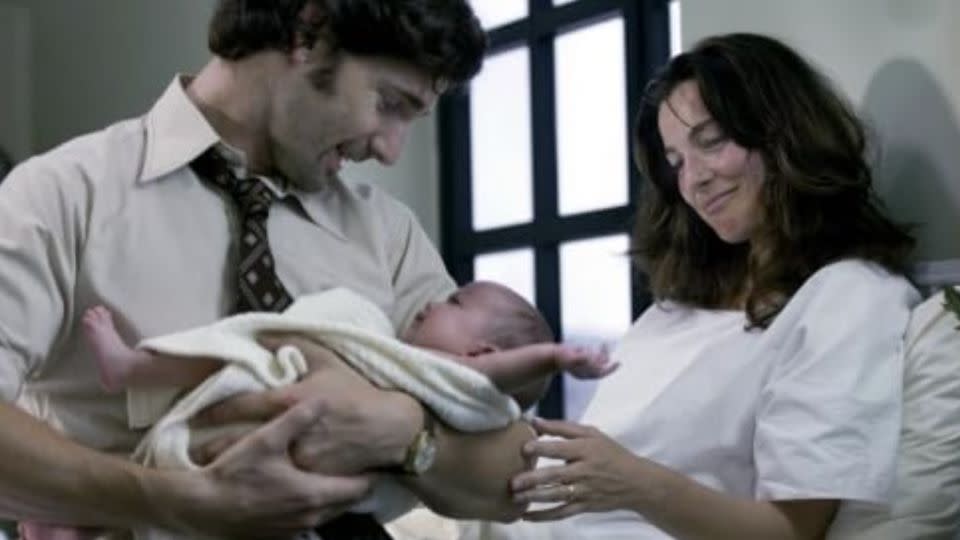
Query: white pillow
[{"x": 927, "y": 499}]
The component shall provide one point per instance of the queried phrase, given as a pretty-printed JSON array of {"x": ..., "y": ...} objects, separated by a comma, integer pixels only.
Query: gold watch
[{"x": 423, "y": 450}]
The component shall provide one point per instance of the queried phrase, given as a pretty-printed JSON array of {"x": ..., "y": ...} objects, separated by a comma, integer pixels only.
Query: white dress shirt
[{"x": 118, "y": 218}]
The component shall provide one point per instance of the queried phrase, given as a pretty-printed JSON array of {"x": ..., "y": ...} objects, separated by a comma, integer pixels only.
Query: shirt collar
[{"x": 177, "y": 132}]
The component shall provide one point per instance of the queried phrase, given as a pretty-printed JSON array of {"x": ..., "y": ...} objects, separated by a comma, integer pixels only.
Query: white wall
[
  {"x": 89, "y": 63},
  {"x": 897, "y": 61}
]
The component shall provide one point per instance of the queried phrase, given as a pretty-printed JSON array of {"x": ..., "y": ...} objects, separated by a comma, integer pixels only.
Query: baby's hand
[{"x": 584, "y": 362}]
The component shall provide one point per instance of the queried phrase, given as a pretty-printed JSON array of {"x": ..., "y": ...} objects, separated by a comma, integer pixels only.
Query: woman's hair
[
  {"x": 442, "y": 37},
  {"x": 817, "y": 199}
]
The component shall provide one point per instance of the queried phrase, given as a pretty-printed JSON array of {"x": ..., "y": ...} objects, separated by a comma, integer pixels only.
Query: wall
[
  {"x": 92, "y": 62},
  {"x": 15, "y": 81},
  {"x": 97, "y": 61},
  {"x": 896, "y": 60}
]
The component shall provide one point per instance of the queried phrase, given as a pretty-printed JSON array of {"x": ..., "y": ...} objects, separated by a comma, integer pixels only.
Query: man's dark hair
[{"x": 442, "y": 37}]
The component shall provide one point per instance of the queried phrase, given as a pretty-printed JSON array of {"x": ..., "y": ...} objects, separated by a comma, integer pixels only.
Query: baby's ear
[{"x": 482, "y": 347}]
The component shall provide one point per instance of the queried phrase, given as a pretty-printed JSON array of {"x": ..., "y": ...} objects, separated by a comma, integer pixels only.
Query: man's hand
[
  {"x": 253, "y": 490},
  {"x": 358, "y": 427}
]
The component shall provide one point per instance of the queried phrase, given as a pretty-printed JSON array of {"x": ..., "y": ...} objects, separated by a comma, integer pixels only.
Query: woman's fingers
[
  {"x": 544, "y": 476},
  {"x": 554, "y": 449},
  {"x": 560, "y": 428}
]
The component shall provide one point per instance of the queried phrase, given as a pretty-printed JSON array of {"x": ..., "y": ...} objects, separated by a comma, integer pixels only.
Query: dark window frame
[{"x": 647, "y": 46}]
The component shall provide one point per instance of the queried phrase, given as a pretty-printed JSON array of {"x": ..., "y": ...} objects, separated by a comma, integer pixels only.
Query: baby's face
[{"x": 457, "y": 324}]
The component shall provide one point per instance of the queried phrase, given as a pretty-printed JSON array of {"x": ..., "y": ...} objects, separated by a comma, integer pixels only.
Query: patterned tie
[{"x": 259, "y": 289}]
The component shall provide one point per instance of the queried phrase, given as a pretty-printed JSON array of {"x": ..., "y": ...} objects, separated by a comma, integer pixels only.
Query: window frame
[{"x": 646, "y": 47}]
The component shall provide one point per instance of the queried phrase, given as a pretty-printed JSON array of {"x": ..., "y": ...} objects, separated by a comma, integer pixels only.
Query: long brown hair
[{"x": 818, "y": 202}]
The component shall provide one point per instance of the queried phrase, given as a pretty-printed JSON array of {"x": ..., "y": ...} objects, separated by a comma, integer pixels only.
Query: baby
[{"x": 483, "y": 325}]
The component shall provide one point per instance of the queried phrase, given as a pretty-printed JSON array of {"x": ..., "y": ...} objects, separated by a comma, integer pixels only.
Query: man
[{"x": 141, "y": 218}]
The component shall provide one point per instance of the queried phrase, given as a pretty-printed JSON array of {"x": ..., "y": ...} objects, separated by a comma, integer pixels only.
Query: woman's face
[{"x": 719, "y": 179}]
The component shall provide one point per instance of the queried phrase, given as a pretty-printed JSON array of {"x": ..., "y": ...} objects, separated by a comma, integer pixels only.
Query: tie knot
[{"x": 251, "y": 196}]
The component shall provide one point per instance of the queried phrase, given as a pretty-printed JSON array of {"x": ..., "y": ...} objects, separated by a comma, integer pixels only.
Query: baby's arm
[
  {"x": 122, "y": 366},
  {"x": 525, "y": 371}
]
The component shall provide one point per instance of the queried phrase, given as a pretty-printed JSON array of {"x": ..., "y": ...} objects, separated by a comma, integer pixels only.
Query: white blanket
[{"x": 348, "y": 324}]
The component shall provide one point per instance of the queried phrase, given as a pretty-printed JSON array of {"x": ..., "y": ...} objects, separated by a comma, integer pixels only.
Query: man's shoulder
[{"x": 115, "y": 151}]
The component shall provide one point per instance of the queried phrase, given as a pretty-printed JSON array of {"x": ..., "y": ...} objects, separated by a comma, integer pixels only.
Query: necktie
[{"x": 259, "y": 289}]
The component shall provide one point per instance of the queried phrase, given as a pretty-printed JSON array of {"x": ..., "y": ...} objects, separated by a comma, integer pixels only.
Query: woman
[{"x": 763, "y": 387}]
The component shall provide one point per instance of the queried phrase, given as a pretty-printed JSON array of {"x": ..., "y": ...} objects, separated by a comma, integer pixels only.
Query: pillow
[{"x": 927, "y": 498}]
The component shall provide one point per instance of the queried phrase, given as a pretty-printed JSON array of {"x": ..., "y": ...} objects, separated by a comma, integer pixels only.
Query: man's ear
[{"x": 482, "y": 347}]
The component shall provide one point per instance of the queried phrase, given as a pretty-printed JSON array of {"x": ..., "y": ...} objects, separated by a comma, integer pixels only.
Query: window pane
[
  {"x": 595, "y": 303},
  {"x": 512, "y": 268},
  {"x": 500, "y": 141},
  {"x": 676, "y": 41},
  {"x": 591, "y": 118},
  {"x": 493, "y": 13}
]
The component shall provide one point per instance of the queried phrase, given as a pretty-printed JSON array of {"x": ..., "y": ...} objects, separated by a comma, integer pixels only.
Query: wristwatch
[{"x": 422, "y": 451}]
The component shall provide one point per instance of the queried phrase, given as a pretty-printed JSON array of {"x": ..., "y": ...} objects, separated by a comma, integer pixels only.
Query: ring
[{"x": 571, "y": 491}]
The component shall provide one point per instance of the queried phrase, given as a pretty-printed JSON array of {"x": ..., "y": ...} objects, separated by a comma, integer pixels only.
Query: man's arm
[
  {"x": 362, "y": 428},
  {"x": 46, "y": 477},
  {"x": 482, "y": 489},
  {"x": 251, "y": 491}
]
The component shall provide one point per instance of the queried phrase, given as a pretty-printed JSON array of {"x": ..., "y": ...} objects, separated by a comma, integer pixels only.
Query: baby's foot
[{"x": 113, "y": 356}]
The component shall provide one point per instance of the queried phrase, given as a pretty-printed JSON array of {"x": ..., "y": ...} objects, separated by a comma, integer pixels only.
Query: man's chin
[{"x": 314, "y": 180}]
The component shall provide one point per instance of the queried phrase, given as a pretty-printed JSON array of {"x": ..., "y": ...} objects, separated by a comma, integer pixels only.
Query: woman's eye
[{"x": 712, "y": 142}]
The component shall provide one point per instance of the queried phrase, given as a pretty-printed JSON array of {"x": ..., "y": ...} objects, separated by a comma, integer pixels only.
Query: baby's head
[{"x": 479, "y": 317}]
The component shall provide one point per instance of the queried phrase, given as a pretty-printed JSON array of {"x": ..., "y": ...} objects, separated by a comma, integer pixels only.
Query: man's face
[{"x": 322, "y": 113}]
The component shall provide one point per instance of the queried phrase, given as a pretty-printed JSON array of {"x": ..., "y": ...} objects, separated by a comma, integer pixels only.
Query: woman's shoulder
[
  {"x": 849, "y": 287},
  {"x": 853, "y": 276}
]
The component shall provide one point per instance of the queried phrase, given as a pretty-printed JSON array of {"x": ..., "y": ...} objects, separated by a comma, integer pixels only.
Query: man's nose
[{"x": 388, "y": 142}]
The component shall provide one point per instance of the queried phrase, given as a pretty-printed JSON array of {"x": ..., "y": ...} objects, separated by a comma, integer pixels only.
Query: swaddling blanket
[{"x": 348, "y": 324}]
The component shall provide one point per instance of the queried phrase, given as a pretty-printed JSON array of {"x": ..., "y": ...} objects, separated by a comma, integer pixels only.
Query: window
[{"x": 536, "y": 179}]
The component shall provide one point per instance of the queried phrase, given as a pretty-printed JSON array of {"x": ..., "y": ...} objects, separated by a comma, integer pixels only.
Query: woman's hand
[{"x": 599, "y": 475}]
